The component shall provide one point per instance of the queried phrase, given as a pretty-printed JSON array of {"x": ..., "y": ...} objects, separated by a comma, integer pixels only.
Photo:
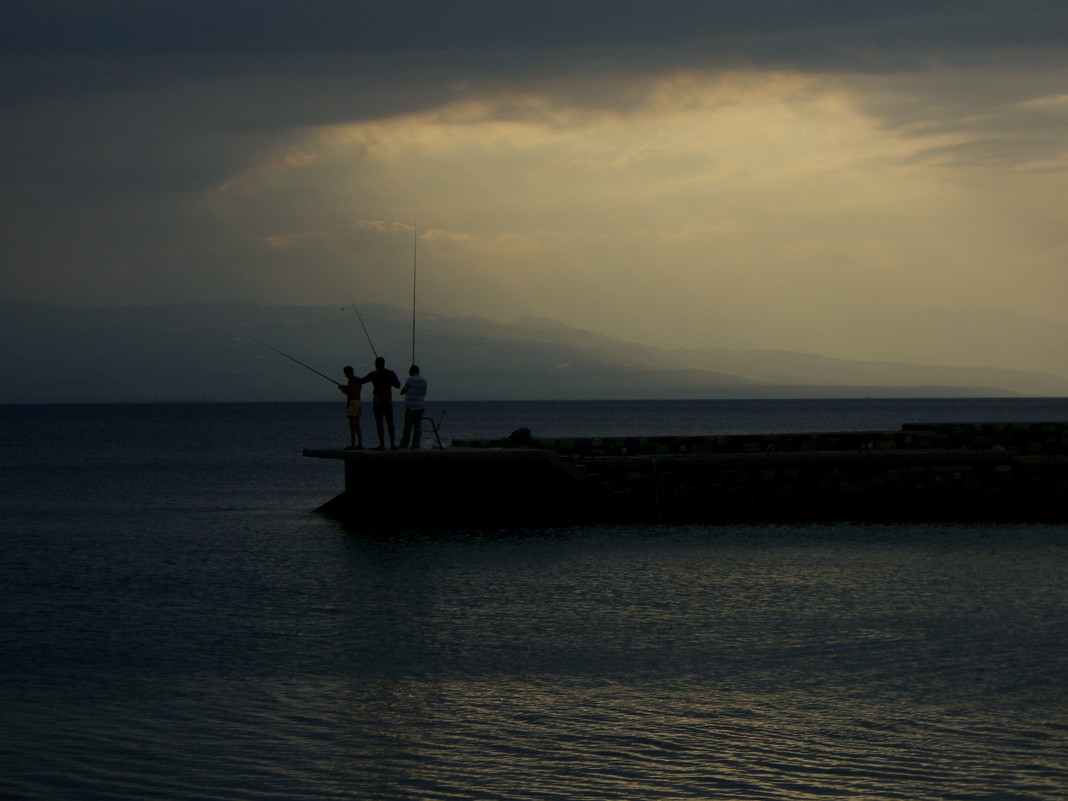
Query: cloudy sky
[{"x": 871, "y": 180}]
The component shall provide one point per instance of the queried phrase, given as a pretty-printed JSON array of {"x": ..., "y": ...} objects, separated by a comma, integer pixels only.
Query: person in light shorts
[{"x": 353, "y": 407}]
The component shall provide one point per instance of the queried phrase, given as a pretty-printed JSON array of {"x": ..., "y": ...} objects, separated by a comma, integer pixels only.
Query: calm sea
[{"x": 178, "y": 624}]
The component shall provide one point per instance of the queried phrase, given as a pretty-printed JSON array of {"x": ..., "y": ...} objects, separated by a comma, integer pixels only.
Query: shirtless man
[{"x": 382, "y": 383}]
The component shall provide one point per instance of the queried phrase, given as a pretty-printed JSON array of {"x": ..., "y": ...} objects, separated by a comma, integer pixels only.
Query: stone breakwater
[
  {"x": 1035, "y": 438},
  {"x": 958, "y": 471}
]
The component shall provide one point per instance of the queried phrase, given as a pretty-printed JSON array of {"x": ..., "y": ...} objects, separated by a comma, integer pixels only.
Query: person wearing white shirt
[{"x": 414, "y": 391}]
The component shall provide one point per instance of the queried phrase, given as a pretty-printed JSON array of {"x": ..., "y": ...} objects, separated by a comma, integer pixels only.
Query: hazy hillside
[{"x": 210, "y": 352}]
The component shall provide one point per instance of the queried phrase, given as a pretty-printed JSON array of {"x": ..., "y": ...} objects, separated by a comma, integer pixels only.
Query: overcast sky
[{"x": 882, "y": 180}]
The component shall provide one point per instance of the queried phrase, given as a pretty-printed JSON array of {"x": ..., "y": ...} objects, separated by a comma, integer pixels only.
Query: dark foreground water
[{"x": 177, "y": 624}]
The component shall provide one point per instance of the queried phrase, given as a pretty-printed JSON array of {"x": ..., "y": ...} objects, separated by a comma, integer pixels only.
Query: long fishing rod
[
  {"x": 364, "y": 327},
  {"x": 415, "y": 264},
  {"x": 298, "y": 361}
]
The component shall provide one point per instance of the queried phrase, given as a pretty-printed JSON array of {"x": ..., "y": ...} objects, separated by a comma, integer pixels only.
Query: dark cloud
[
  {"x": 151, "y": 91},
  {"x": 205, "y": 67},
  {"x": 136, "y": 41},
  {"x": 120, "y": 119},
  {"x": 282, "y": 27}
]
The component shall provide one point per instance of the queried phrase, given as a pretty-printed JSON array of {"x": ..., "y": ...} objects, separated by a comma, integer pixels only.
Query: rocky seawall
[{"x": 958, "y": 471}]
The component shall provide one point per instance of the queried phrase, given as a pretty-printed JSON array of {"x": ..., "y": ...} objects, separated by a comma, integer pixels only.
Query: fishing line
[
  {"x": 364, "y": 327},
  {"x": 298, "y": 361},
  {"x": 415, "y": 264}
]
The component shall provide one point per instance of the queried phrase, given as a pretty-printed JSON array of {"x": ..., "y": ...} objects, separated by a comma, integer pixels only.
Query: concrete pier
[{"x": 958, "y": 471}]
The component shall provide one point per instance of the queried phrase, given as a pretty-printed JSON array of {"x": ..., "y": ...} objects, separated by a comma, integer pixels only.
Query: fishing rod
[
  {"x": 364, "y": 327},
  {"x": 415, "y": 264},
  {"x": 298, "y": 361}
]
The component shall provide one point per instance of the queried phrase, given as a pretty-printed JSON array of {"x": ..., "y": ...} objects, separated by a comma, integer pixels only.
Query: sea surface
[{"x": 177, "y": 623}]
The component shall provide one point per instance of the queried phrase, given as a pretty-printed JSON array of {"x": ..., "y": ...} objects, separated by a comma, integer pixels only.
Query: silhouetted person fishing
[
  {"x": 353, "y": 408},
  {"x": 414, "y": 391},
  {"x": 382, "y": 383}
]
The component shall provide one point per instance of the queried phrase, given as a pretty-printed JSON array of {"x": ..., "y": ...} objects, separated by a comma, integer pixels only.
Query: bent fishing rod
[
  {"x": 298, "y": 361},
  {"x": 364, "y": 327}
]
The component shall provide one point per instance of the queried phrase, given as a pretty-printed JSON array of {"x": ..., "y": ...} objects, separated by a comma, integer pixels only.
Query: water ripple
[{"x": 737, "y": 664}]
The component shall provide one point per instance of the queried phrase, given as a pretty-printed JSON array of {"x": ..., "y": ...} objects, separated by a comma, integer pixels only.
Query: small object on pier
[
  {"x": 520, "y": 435},
  {"x": 435, "y": 427}
]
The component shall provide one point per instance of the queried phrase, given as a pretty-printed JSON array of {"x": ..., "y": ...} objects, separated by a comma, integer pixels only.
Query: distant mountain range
[{"x": 210, "y": 352}]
